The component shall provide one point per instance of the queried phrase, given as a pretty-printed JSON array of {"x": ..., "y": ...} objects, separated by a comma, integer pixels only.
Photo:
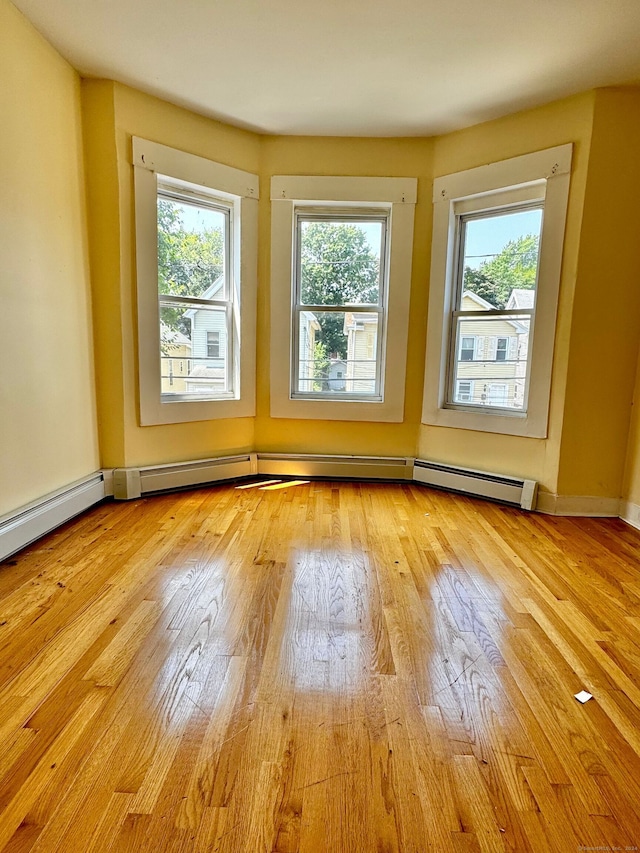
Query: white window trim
[
  {"x": 151, "y": 159},
  {"x": 551, "y": 170},
  {"x": 397, "y": 194}
]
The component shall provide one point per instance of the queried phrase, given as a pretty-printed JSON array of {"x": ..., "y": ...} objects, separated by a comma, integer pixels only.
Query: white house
[{"x": 208, "y": 345}]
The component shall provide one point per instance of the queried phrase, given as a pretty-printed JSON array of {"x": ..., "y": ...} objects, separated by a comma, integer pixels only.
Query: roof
[
  {"x": 209, "y": 293},
  {"x": 173, "y": 337},
  {"x": 521, "y": 298}
]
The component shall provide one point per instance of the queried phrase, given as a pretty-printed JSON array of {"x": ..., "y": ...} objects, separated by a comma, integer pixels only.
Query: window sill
[
  {"x": 338, "y": 410},
  {"x": 516, "y": 423}
]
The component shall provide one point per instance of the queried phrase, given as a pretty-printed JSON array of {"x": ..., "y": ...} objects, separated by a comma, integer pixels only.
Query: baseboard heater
[
  {"x": 350, "y": 467},
  {"x": 481, "y": 484},
  {"x": 131, "y": 483},
  {"x": 23, "y": 526}
]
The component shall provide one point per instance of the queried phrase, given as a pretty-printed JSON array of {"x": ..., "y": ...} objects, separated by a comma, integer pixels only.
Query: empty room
[{"x": 320, "y": 445}]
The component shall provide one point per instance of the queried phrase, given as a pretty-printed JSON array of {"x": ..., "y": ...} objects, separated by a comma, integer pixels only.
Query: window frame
[
  {"x": 290, "y": 193},
  {"x": 345, "y": 214},
  {"x": 153, "y": 164},
  {"x": 508, "y": 183}
]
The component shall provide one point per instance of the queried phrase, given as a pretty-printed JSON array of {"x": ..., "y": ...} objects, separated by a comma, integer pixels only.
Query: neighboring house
[
  {"x": 337, "y": 375},
  {"x": 175, "y": 356},
  {"x": 309, "y": 326},
  {"x": 208, "y": 345},
  {"x": 492, "y": 353},
  {"x": 361, "y": 330}
]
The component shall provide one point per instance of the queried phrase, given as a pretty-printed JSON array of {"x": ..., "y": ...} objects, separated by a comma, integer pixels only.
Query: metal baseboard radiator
[
  {"x": 129, "y": 483},
  {"x": 28, "y": 523},
  {"x": 481, "y": 484},
  {"x": 349, "y": 467}
]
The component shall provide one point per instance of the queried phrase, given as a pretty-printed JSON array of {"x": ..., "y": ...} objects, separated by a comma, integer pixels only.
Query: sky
[
  {"x": 485, "y": 237},
  {"x": 489, "y": 236},
  {"x": 199, "y": 218}
]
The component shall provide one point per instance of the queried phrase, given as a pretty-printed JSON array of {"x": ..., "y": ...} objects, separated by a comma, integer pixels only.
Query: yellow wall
[
  {"x": 47, "y": 397},
  {"x": 50, "y": 437},
  {"x": 569, "y": 120},
  {"x": 337, "y": 156},
  {"x": 605, "y": 328},
  {"x": 113, "y": 114},
  {"x": 631, "y": 485}
]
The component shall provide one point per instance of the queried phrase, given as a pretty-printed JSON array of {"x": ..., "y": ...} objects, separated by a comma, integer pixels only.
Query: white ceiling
[{"x": 349, "y": 67}]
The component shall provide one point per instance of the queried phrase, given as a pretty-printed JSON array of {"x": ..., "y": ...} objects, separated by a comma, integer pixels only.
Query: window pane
[
  {"x": 190, "y": 365},
  {"x": 337, "y": 353},
  {"x": 491, "y": 363},
  {"x": 500, "y": 260},
  {"x": 191, "y": 249},
  {"x": 340, "y": 262}
]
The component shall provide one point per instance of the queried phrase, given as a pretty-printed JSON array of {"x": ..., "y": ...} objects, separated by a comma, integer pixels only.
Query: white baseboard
[
  {"x": 352, "y": 467},
  {"x": 585, "y": 505},
  {"x": 630, "y": 513},
  {"x": 26, "y": 524}
]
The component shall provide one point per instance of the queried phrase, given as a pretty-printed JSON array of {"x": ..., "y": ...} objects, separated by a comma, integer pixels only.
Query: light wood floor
[{"x": 342, "y": 668}]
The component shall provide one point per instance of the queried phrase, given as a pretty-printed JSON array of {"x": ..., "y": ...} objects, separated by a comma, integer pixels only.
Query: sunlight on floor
[{"x": 284, "y": 485}]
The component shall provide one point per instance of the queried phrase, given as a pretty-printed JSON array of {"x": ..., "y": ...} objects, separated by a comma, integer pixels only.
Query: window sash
[
  {"x": 341, "y": 215},
  {"x": 202, "y": 200},
  {"x": 456, "y": 314}
]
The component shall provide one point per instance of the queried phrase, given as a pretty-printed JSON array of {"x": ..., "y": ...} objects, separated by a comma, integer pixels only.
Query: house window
[
  {"x": 340, "y": 280},
  {"x": 213, "y": 344},
  {"x": 340, "y": 298},
  {"x": 496, "y": 261},
  {"x": 464, "y": 391},
  {"x": 502, "y": 345},
  {"x": 497, "y": 394},
  {"x": 196, "y": 250},
  {"x": 467, "y": 349}
]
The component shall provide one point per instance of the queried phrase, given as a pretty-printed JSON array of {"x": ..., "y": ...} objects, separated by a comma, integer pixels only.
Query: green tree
[
  {"x": 321, "y": 366},
  {"x": 188, "y": 261},
  {"x": 338, "y": 267},
  {"x": 515, "y": 267}
]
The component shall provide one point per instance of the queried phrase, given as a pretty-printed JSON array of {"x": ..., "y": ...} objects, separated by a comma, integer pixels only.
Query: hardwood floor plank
[{"x": 320, "y": 668}]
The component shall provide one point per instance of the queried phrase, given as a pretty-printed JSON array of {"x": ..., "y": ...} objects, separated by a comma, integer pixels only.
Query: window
[
  {"x": 195, "y": 294},
  {"x": 464, "y": 391},
  {"x": 502, "y": 345},
  {"x": 196, "y": 246},
  {"x": 467, "y": 349},
  {"x": 339, "y": 301},
  {"x": 496, "y": 274},
  {"x": 340, "y": 280},
  {"x": 213, "y": 344},
  {"x": 496, "y": 259},
  {"x": 497, "y": 394}
]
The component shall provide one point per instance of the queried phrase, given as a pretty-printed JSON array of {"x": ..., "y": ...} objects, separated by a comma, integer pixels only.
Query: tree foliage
[
  {"x": 515, "y": 267},
  {"x": 338, "y": 267},
  {"x": 188, "y": 261}
]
